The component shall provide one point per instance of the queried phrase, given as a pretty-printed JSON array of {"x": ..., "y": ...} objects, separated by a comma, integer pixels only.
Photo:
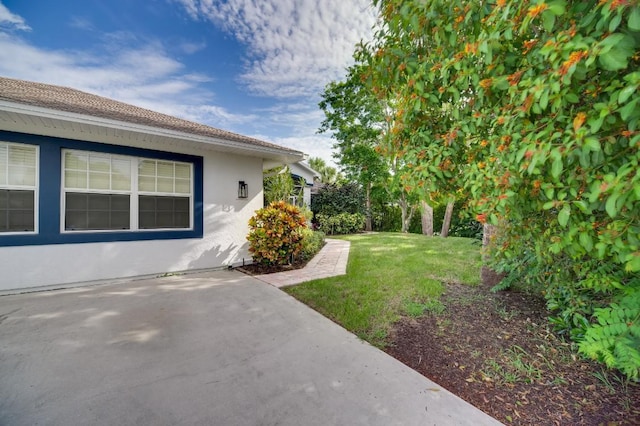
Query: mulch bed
[
  {"x": 497, "y": 352},
  {"x": 258, "y": 269}
]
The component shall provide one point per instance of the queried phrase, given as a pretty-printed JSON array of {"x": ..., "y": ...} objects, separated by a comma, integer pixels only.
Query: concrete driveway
[{"x": 217, "y": 348}]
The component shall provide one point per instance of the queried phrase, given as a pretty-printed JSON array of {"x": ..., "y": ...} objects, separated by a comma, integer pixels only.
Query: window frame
[
  {"x": 134, "y": 192},
  {"x": 49, "y": 203},
  {"x": 34, "y": 188}
]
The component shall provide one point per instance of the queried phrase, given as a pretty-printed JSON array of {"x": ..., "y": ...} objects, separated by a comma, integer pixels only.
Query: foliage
[
  {"x": 312, "y": 242},
  {"x": 275, "y": 234},
  {"x": 335, "y": 199},
  {"x": 616, "y": 338},
  {"x": 387, "y": 218},
  {"x": 327, "y": 173},
  {"x": 532, "y": 109},
  {"x": 343, "y": 223},
  {"x": 387, "y": 274},
  {"x": 355, "y": 118},
  {"x": 306, "y": 212},
  {"x": 465, "y": 227},
  {"x": 278, "y": 184}
]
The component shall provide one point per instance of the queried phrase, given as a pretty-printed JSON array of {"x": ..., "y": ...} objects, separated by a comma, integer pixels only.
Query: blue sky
[{"x": 255, "y": 67}]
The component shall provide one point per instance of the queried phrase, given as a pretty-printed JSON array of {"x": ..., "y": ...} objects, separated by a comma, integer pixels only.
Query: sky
[{"x": 254, "y": 67}]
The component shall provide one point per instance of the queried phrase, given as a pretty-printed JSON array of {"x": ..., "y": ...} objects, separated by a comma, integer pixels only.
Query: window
[
  {"x": 18, "y": 187},
  {"x": 113, "y": 192},
  {"x": 66, "y": 191},
  {"x": 164, "y": 189},
  {"x": 97, "y": 191}
]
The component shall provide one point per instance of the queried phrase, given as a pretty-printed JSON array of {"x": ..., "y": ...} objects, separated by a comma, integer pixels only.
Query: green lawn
[{"x": 390, "y": 275}]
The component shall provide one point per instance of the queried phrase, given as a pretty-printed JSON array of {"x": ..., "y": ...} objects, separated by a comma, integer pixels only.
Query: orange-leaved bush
[
  {"x": 532, "y": 110},
  {"x": 275, "y": 235}
]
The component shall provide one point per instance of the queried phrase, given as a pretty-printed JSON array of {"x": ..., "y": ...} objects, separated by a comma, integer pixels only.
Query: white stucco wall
[{"x": 224, "y": 241}]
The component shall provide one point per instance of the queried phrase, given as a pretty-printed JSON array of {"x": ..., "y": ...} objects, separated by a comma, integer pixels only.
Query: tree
[
  {"x": 355, "y": 116},
  {"x": 328, "y": 174},
  {"x": 446, "y": 223},
  {"x": 531, "y": 108},
  {"x": 426, "y": 218}
]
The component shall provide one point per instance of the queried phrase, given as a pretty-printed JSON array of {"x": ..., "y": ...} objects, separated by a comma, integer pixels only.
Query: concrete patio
[{"x": 215, "y": 348}]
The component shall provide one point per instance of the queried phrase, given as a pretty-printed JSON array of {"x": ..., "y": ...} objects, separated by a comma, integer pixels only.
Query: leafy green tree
[
  {"x": 530, "y": 108},
  {"x": 355, "y": 118}
]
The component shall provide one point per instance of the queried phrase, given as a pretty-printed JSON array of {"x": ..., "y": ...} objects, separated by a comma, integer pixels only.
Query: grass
[
  {"x": 516, "y": 365},
  {"x": 390, "y": 275}
]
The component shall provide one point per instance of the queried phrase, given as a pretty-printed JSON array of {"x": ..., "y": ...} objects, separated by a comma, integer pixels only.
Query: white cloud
[
  {"x": 190, "y": 48},
  {"x": 216, "y": 114},
  {"x": 314, "y": 146},
  {"x": 164, "y": 86},
  {"x": 10, "y": 20},
  {"x": 295, "y": 46},
  {"x": 81, "y": 23},
  {"x": 305, "y": 52},
  {"x": 191, "y": 6},
  {"x": 301, "y": 118}
]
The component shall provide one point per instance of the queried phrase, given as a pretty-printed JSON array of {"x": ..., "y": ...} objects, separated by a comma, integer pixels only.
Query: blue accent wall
[{"x": 50, "y": 163}]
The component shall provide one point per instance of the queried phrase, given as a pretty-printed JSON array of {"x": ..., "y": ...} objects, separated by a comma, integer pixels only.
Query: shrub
[
  {"x": 467, "y": 228},
  {"x": 541, "y": 130},
  {"x": 275, "y": 234},
  {"x": 343, "y": 223},
  {"x": 332, "y": 200},
  {"x": 307, "y": 213},
  {"x": 387, "y": 218},
  {"x": 312, "y": 242}
]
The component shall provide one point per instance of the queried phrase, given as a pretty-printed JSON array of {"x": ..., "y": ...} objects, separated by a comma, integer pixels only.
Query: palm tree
[{"x": 328, "y": 174}]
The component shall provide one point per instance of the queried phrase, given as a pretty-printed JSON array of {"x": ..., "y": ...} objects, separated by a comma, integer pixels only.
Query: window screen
[
  {"x": 165, "y": 189},
  {"x": 96, "y": 211},
  {"x": 163, "y": 212},
  {"x": 18, "y": 187}
]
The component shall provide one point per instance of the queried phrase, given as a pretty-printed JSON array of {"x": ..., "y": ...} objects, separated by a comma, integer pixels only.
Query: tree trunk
[
  {"x": 404, "y": 207},
  {"x": 412, "y": 210},
  {"x": 447, "y": 219},
  {"x": 403, "y": 210},
  {"x": 489, "y": 276},
  {"x": 427, "y": 219},
  {"x": 367, "y": 201},
  {"x": 488, "y": 233}
]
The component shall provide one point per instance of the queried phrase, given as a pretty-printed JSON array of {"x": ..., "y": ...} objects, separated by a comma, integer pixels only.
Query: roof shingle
[{"x": 75, "y": 101}]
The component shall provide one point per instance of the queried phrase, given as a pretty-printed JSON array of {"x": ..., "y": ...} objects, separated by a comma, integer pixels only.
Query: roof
[
  {"x": 304, "y": 170},
  {"x": 70, "y": 100}
]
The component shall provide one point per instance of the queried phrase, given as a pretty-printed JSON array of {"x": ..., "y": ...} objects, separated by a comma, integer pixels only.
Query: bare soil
[{"x": 497, "y": 352}]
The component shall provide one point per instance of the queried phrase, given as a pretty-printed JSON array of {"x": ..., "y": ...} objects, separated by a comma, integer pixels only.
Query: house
[
  {"x": 94, "y": 189},
  {"x": 303, "y": 177}
]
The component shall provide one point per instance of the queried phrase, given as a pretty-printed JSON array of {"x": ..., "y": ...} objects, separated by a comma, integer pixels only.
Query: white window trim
[
  {"x": 134, "y": 193},
  {"x": 35, "y": 188}
]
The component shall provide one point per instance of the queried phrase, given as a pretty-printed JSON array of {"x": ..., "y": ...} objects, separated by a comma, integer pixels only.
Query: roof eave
[{"x": 211, "y": 142}]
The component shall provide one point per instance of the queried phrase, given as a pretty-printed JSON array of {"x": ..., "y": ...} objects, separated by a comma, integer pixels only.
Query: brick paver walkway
[{"x": 329, "y": 262}]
